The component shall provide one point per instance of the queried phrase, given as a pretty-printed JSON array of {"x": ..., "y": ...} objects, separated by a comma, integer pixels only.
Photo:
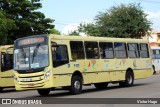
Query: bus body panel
[{"x": 6, "y": 76}]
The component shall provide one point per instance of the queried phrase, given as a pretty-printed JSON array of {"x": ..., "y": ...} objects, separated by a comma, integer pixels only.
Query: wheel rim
[
  {"x": 130, "y": 79},
  {"x": 77, "y": 85}
]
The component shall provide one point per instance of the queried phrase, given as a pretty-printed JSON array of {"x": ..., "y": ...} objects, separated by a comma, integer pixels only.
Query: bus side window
[
  {"x": 6, "y": 62},
  {"x": 133, "y": 50},
  {"x": 92, "y": 50},
  {"x": 144, "y": 50},
  {"x": 59, "y": 55},
  {"x": 120, "y": 50},
  {"x": 77, "y": 50},
  {"x": 106, "y": 50}
]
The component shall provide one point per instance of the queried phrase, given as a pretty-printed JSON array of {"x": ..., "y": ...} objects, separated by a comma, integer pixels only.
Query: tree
[
  {"x": 122, "y": 21},
  {"x": 74, "y": 33},
  {"x": 5, "y": 25},
  {"x": 54, "y": 31},
  {"x": 27, "y": 18}
]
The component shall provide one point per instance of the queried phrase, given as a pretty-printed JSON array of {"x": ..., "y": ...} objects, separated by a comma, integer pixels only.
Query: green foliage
[
  {"x": 74, "y": 33},
  {"x": 27, "y": 18},
  {"x": 54, "y": 31},
  {"x": 124, "y": 21},
  {"x": 5, "y": 25}
]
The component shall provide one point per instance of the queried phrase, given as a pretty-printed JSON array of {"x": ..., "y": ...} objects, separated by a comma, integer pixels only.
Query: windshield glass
[{"x": 31, "y": 57}]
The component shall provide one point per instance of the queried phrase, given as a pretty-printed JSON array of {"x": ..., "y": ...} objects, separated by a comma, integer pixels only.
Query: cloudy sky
[{"x": 69, "y": 13}]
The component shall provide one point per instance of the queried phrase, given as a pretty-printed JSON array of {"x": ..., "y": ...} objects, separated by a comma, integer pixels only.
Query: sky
[{"x": 68, "y": 14}]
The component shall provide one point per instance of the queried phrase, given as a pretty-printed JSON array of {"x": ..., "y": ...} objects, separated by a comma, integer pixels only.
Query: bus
[
  {"x": 6, "y": 68},
  {"x": 47, "y": 62},
  {"x": 155, "y": 58}
]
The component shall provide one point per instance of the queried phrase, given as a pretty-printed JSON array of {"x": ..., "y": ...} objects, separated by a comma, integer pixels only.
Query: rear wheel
[
  {"x": 76, "y": 85},
  {"x": 101, "y": 85},
  {"x": 43, "y": 92},
  {"x": 128, "y": 81}
]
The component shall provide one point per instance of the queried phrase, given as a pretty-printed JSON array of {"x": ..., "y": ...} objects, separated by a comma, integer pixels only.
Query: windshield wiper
[
  {"x": 35, "y": 52},
  {"x": 24, "y": 55}
]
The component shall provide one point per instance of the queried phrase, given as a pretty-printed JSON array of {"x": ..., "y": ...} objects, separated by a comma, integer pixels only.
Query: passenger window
[
  {"x": 6, "y": 62},
  {"x": 77, "y": 50},
  {"x": 120, "y": 50},
  {"x": 106, "y": 50},
  {"x": 91, "y": 49},
  {"x": 133, "y": 50},
  {"x": 144, "y": 50},
  {"x": 59, "y": 55}
]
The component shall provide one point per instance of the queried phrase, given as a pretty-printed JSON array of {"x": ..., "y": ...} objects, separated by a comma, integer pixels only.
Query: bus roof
[
  {"x": 4, "y": 47},
  {"x": 91, "y": 38}
]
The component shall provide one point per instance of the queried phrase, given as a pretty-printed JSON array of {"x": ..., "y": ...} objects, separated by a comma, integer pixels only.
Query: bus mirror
[{"x": 54, "y": 44}]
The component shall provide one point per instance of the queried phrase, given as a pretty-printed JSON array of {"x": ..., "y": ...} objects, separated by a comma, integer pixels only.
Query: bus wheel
[
  {"x": 76, "y": 85},
  {"x": 101, "y": 85},
  {"x": 1, "y": 89},
  {"x": 43, "y": 92},
  {"x": 128, "y": 81}
]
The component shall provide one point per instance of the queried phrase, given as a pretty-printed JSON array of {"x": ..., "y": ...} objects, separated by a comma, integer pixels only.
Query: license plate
[{"x": 27, "y": 79}]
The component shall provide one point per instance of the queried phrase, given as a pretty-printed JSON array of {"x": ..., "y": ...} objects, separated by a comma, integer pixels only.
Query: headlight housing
[
  {"x": 47, "y": 74},
  {"x": 16, "y": 78}
]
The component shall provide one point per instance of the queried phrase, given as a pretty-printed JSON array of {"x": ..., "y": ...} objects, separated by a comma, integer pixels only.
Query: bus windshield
[{"x": 29, "y": 58}]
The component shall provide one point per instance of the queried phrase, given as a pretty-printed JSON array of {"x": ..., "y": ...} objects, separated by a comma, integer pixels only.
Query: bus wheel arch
[
  {"x": 129, "y": 79},
  {"x": 76, "y": 83}
]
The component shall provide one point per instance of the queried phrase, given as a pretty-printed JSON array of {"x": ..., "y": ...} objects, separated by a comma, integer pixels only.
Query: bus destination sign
[{"x": 30, "y": 41}]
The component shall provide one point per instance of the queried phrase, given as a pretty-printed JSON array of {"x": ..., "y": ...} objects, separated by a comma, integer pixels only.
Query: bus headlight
[
  {"x": 48, "y": 73},
  {"x": 16, "y": 78}
]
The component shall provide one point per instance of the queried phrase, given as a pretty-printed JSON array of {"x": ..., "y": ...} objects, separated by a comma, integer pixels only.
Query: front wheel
[
  {"x": 43, "y": 92},
  {"x": 76, "y": 85}
]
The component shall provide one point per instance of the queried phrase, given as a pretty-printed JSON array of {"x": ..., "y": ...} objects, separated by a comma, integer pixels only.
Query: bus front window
[{"x": 33, "y": 57}]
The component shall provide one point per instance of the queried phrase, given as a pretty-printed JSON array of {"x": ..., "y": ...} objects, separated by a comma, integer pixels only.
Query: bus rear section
[{"x": 6, "y": 70}]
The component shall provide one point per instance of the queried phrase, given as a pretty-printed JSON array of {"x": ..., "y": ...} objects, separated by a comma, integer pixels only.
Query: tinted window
[
  {"x": 133, "y": 51},
  {"x": 77, "y": 50},
  {"x": 6, "y": 62},
  {"x": 59, "y": 55},
  {"x": 91, "y": 49},
  {"x": 120, "y": 50},
  {"x": 144, "y": 50},
  {"x": 106, "y": 50}
]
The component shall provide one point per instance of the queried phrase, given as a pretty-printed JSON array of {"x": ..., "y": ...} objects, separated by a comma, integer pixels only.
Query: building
[{"x": 154, "y": 38}]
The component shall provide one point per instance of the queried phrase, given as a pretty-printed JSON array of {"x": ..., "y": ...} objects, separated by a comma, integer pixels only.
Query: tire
[
  {"x": 122, "y": 84},
  {"x": 129, "y": 81},
  {"x": 1, "y": 89},
  {"x": 101, "y": 85},
  {"x": 76, "y": 85},
  {"x": 154, "y": 71},
  {"x": 43, "y": 92}
]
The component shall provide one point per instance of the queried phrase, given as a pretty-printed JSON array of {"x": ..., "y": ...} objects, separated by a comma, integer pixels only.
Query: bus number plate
[{"x": 27, "y": 79}]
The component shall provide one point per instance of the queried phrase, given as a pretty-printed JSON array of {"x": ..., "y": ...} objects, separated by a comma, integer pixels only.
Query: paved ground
[{"x": 144, "y": 88}]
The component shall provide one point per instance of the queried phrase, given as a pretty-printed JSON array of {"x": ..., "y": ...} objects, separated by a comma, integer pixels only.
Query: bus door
[{"x": 60, "y": 61}]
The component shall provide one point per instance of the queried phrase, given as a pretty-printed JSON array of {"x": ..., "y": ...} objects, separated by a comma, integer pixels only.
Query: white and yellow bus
[
  {"x": 156, "y": 59},
  {"x": 45, "y": 62},
  {"x": 6, "y": 69}
]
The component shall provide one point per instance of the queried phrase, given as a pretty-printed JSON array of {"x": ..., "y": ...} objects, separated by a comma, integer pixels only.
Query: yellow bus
[
  {"x": 6, "y": 69},
  {"x": 45, "y": 62}
]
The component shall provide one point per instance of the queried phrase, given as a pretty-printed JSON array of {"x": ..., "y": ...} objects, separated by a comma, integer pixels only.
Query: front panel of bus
[{"x": 32, "y": 63}]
